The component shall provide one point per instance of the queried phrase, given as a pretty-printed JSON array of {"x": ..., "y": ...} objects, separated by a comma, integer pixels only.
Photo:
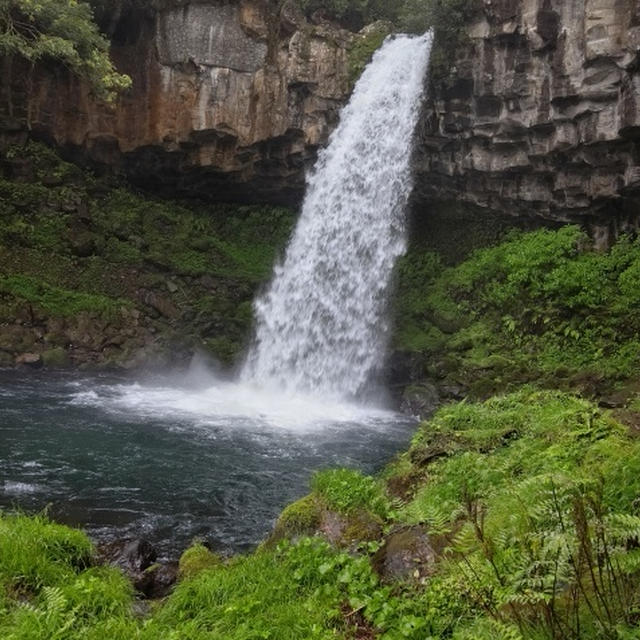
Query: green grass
[
  {"x": 535, "y": 490},
  {"x": 553, "y": 310},
  {"x": 36, "y": 553},
  {"x": 531, "y": 504},
  {"x": 56, "y": 301},
  {"x": 347, "y": 492}
]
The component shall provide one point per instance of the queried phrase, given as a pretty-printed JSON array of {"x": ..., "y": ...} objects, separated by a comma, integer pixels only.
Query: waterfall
[{"x": 322, "y": 326}]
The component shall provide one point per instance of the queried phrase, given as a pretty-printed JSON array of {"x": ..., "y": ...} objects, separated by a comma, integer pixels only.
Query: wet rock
[
  {"x": 132, "y": 556},
  {"x": 137, "y": 559},
  {"x": 420, "y": 400},
  {"x": 406, "y": 555},
  {"x": 157, "y": 581},
  {"x": 56, "y": 358},
  {"x": 31, "y": 360}
]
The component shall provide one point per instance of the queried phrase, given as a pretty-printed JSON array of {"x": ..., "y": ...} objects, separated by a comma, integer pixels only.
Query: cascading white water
[{"x": 321, "y": 326}]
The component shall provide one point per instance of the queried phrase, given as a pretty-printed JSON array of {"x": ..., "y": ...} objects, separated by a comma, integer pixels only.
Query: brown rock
[
  {"x": 227, "y": 99},
  {"x": 32, "y": 360}
]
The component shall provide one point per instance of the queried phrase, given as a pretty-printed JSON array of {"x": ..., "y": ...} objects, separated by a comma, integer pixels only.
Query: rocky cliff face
[
  {"x": 229, "y": 99},
  {"x": 539, "y": 114}
]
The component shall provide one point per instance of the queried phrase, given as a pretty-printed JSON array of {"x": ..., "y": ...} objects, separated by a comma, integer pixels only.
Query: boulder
[
  {"x": 420, "y": 400},
  {"x": 31, "y": 360},
  {"x": 137, "y": 559},
  {"x": 407, "y": 554}
]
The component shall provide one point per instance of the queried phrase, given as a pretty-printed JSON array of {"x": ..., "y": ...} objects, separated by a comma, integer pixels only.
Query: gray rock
[
  {"x": 539, "y": 116},
  {"x": 406, "y": 555},
  {"x": 208, "y": 36},
  {"x": 420, "y": 400}
]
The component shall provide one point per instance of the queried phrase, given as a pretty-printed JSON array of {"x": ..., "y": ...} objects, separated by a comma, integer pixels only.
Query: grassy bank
[{"x": 527, "y": 504}]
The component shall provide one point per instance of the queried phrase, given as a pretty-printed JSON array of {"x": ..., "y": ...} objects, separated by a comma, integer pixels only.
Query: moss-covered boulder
[{"x": 195, "y": 559}]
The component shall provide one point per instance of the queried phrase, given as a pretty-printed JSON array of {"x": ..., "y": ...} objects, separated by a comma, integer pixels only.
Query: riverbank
[{"x": 511, "y": 518}]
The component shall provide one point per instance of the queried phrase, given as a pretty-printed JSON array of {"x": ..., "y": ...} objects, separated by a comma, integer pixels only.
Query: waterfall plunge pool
[
  {"x": 172, "y": 460},
  {"x": 169, "y": 460}
]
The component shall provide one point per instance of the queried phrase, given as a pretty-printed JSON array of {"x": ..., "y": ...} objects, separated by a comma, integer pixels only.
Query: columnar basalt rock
[
  {"x": 539, "y": 114},
  {"x": 229, "y": 99}
]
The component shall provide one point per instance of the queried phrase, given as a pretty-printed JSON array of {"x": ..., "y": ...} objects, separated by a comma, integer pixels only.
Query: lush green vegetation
[
  {"x": 541, "y": 306},
  {"x": 415, "y": 16},
  {"x": 62, "y": 31},
  {"x": 537, "y": 493},
  {"x": 363, "y": 49},
  {"x": 49, "y": 590},
  {"x": 56, "y": 301},
  {"x": 347, "y": 492},
  {"x": 530, "y": 501},
  {"x": 72, "y": 243}
]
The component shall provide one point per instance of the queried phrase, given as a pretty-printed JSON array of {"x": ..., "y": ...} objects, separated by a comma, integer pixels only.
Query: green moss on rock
[
  {"x": 56, "y": 357},
  {"x": 364, "y": 46},
  {"x": 195, "y": 559}
]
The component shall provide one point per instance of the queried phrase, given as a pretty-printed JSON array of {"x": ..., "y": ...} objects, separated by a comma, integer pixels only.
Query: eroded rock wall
[
  {"x": 539, "y": 114},
  {"x": 229, "y": 99}
]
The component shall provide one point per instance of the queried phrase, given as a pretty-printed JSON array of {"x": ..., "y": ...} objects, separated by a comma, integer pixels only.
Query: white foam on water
[
  {"x": 239, "y": 404},
  {"x": 20, "y": 488}
]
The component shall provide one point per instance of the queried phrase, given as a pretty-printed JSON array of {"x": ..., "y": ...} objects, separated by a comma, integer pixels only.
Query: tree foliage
[
  {"x": 445, "y": 16},
  {"x": 354, "y": 12},
  {"x": 414, "y": 16},
  {"x": 62, "y": 31}
]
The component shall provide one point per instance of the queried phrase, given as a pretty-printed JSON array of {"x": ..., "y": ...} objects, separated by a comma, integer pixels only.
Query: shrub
[
  {"x": 347, "y": 491},
  {"x": 64, "y": 31},
  {"x": 35, "y": 552},
  {"x": 195, "y": 559},
  {"x": 541, "y": 300}
]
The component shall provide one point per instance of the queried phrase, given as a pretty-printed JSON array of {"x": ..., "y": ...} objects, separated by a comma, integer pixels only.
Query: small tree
[
  {"x": 355, "y": 12},
  {"x": 62, "y": 31}
]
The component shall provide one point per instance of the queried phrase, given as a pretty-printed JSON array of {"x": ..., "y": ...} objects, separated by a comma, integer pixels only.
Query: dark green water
[{"x": 172, "y": 460}]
